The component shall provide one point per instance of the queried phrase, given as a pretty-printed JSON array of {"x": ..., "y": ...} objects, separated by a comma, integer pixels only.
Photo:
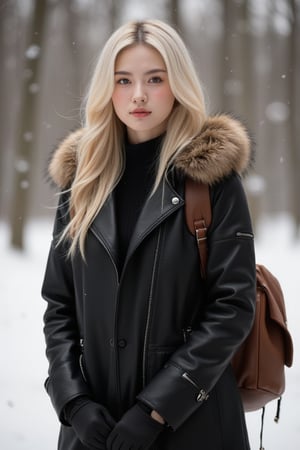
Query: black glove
[
  {"x": 91, "y": 422},
  {"x": 135, "y": 431}
]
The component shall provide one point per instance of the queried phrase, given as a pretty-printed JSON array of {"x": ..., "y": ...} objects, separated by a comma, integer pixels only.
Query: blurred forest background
[{"x": 247, "y": 53}]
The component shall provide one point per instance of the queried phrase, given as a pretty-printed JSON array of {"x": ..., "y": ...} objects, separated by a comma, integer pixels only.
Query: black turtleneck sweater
[{"x": 133, "y": 188}]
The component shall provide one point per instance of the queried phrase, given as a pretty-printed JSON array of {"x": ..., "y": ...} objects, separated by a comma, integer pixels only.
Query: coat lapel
[
  {"x": 104, "y": 227},
  {"x": 157, "y": 208}
]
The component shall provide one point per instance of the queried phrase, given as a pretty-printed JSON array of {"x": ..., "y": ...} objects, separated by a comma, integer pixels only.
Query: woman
[{"x": 139, "y": 347}]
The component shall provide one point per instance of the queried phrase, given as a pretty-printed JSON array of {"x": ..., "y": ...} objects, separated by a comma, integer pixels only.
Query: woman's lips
[{"x": 140, "y": 113}]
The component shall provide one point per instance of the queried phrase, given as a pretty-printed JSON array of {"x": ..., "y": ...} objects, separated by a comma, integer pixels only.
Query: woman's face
[{"x": 142, "y": 97}]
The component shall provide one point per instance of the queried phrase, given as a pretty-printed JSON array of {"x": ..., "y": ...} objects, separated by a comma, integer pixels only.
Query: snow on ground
[{"x": 27, "y": 420}]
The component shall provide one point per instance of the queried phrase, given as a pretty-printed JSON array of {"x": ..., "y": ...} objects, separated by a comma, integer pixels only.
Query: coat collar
[{"x": 223, "y": 146}]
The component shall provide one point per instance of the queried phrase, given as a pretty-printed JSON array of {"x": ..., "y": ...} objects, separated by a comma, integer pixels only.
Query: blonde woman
[{"x": 139, "y": 347}]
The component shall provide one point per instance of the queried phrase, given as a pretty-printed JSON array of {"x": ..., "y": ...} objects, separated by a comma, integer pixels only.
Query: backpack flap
[
  {"x": 259, "y": 362},
  {"x": 277, "y": 312}
]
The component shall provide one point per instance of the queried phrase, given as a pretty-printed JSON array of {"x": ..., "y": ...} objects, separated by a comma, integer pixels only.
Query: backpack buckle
[{"x": 200, "y": 230}]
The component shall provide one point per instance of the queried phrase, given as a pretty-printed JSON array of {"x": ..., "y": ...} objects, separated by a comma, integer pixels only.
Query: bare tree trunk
[
  {"x": 174, "y": 14},
  {"x": 3, "y": 15},
  {"x": 72, "y": 27},
  {"x": 9, "y": 67},
  {"x": 238, "y": 75},
  {"x": 24, "y": 151},
  {"x": 294, "y": 122},
  {"x": 114, "y": 14},
  {"x": 276, "y": 123},
  {"x": 236, "y": 68}
]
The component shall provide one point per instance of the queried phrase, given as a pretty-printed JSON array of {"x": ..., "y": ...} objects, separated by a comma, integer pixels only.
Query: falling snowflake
[
  {"x": 33, "y": 52},
  {"x": 22, "y": 166},
  {"x": 277, "y": 112}
]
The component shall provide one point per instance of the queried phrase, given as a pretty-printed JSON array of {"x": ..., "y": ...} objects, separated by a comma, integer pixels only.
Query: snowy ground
[{"x": 27, "y": 421}]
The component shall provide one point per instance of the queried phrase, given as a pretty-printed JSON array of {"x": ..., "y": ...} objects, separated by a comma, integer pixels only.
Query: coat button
[
  {"x": 175, "y": 200},
  {"x": 122, "y": 343}
]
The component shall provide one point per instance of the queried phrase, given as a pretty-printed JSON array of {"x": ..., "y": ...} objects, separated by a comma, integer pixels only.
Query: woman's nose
[{"x": 139, "y": 95}]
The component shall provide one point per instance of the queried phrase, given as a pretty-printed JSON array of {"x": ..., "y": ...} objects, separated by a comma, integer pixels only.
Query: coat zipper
[
  {"x": 81, "y": 360},
  {"x": 186, "y": 333},
  {"x": 202, "y": 395},
  {"x": 150, "y": 301},
  {"x": 244, "y": 234}
]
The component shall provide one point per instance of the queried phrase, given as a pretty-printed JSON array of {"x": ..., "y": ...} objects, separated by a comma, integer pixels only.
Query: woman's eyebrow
[{"x": 149, "y": 72}]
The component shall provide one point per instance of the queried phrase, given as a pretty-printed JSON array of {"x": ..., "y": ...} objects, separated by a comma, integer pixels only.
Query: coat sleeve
[
  {"x": 65, "y": 380},
  {"x": 184, "y": 383}
]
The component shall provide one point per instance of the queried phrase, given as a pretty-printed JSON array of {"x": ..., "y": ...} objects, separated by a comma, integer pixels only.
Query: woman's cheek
[{"x": 164, "y": 95}]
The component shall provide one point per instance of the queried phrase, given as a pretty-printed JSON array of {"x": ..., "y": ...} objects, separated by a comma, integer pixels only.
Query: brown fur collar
[{"x": 223, "y": 146}]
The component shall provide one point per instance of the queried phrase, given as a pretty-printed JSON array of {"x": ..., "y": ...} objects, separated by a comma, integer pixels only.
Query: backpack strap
[{"x": 198, "y": 216}]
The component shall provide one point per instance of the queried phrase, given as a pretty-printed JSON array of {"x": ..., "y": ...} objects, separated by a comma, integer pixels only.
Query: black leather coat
[{"x": 155, "y": 332}]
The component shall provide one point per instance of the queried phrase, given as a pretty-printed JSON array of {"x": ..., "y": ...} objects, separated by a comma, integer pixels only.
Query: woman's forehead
[{"x": 139, "y": 57}]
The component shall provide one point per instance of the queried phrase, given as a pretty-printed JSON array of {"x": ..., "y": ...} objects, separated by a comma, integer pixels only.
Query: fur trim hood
[{"x": 223, "y": 146}]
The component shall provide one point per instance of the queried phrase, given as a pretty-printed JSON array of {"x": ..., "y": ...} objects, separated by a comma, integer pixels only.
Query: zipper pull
[
  {"x": 202, "y": 394},
  {"x": 276, "y": 418},
  {"x": 186, "y": 333}
]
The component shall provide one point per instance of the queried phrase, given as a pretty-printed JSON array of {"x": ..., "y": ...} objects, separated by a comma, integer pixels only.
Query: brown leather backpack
[{"x": 260, "y": 361}]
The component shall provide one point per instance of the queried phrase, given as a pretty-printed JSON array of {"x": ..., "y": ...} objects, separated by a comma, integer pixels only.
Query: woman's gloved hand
[
  {"x": 135, "y": 431},
  {"x": 91, "y": 422}
]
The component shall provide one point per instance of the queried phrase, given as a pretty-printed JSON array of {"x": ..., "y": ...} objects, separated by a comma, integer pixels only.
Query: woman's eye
[
  {"x": 155, "y": 80},
  {"x": 123, "y": 81}
]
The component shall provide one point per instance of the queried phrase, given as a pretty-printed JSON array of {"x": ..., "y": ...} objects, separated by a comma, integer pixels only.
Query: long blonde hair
[{"x": 100, "y": 156}]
